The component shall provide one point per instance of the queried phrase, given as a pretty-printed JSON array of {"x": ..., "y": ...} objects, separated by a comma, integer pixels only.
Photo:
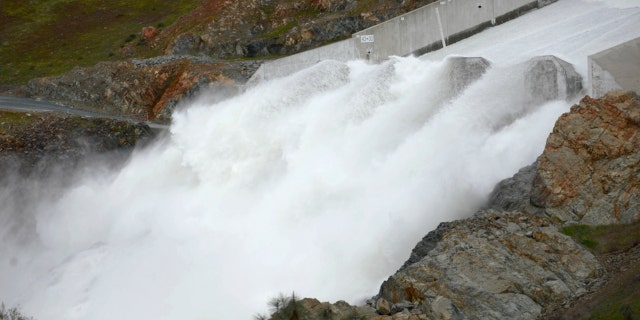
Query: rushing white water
[{"x": 320, "y": 182}]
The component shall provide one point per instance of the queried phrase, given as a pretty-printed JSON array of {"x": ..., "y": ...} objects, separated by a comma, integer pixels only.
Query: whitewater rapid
[{"x": 318, "y": 183}]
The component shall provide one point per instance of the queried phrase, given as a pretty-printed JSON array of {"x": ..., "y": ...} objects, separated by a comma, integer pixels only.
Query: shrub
[{"x": 12, "y": 314}]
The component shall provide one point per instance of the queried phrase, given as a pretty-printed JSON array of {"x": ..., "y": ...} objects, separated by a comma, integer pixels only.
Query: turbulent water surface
[{"x": 319, "y": 183}]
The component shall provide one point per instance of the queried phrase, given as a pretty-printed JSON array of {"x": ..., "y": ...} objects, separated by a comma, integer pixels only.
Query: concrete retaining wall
[
  {"x": 616, "y": 68},
  {"x": 424, "y": 29},
  {"x": 417, "y": 32},
  {"x": 341, "y": 51}
]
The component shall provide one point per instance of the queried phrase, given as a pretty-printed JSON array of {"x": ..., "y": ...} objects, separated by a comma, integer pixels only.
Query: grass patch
[
  {"x": 620, "y": 298},
  {"x": 130, "y": 38},
  {"x": 280, "y": 31},
  {"x": 605, "y": 239},
  {"x": 617, "y": 301},
  {"x": 622, "y": 306},
  {"x": 46, "y": 37},
  {"x": 14, "y": 118},
  {"x": 582, "y": 234}
]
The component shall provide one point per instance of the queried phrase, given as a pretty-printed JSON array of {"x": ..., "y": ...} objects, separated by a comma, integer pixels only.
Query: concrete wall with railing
[{"x": 422, "y": 30}]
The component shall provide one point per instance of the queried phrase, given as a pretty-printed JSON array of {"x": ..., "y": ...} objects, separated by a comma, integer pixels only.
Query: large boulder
[
  {"x": 513, "y": 194},
  {"x": 590, "y": 168},
  {"x": 495, "y": 266}
]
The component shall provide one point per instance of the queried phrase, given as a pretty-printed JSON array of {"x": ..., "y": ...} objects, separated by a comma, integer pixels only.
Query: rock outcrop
[
  {"x": 312, "y": 309},
  {"x": 146, "y": 89},
  {"x": 589, "y": 171},
  {"x": 33, "y": 143},
  {"x": 494, "y": 266},
  {"x": 513, "y": 194}
]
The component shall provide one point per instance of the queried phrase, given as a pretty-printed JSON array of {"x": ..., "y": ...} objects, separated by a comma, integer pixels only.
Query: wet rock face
[
  {"x": 513, "y": 193},
  {"x": 495, "y": 266},
  {"x": 590, "y": 169}
]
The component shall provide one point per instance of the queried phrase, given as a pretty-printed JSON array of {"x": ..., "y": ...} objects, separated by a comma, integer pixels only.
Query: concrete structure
[
  {"x": 549, "y": 78},
  {"x": 422, "y": 30},
  {"x": 434, "y": 26},
  {"x": 341, "y": 51},
  {"x": 616, "y": 68},
  {"x": 463, "y": 71}
]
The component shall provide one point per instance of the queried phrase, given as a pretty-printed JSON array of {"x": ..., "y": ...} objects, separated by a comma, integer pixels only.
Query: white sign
[{"x": 366, "y": 38}]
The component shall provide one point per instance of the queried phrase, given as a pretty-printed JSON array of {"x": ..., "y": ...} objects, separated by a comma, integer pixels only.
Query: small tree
[
  {"x": 11, "y": 314},
  {"x": 278, "y": 303},
  {"x": 289, "y": 308},
  {"x": 260, "y": 316}
]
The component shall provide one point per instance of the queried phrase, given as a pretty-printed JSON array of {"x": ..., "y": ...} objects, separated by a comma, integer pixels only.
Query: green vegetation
[
  {"x": 48, "y": 37},
  {"x": 280, "y": 31},
  {"x": 616, "y": 301},
  {"x": 582, "y": 234},
  {"x": 621, "y": 305},
  {"x": 363, "y": 6},
  {"x": 619, "y": 299},
  {"x": 605, "y": 239},
  {"x": 14, "y": 119}
]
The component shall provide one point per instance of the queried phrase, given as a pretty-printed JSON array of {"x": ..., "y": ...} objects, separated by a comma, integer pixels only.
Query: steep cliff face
[
  {"x": 499, "y": 265},
  {"x": 589, "y": 170}
]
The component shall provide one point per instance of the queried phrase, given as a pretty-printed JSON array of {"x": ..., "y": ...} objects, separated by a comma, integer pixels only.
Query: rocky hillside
[
  {"x": 41, "y": 38},
  {"x": 152, "y": 58},
  {"x": 523, "y": 256},
  {"x": 146, "y": 89},
  {"x": 33, "y": 144}
]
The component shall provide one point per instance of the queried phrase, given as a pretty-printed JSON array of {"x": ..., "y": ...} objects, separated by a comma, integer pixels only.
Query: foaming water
[{"x": 318, "y": 183}]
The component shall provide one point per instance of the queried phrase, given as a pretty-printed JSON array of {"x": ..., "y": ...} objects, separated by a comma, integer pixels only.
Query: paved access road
[{"x": 27, "y": 104}]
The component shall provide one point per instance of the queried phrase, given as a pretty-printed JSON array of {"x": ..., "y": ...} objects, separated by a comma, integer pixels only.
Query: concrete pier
[{"x": 549, "y": 78}]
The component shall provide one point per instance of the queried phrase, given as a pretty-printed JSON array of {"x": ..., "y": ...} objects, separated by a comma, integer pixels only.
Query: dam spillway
[{"x": 318, "y": 183}]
